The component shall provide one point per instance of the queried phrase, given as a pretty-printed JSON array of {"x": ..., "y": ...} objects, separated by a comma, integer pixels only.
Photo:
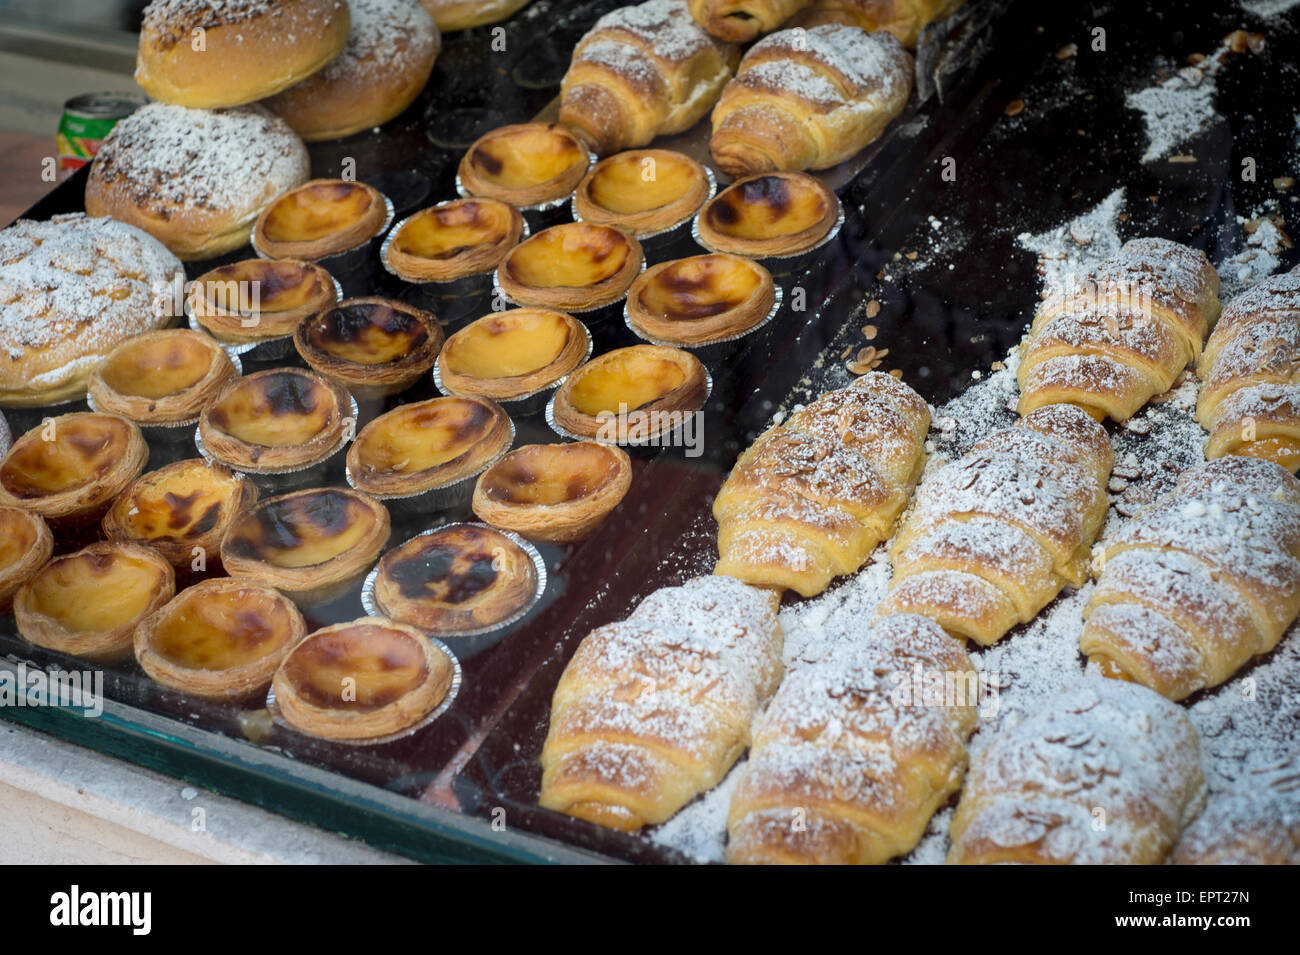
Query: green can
[{"x": 87, "y": 121}]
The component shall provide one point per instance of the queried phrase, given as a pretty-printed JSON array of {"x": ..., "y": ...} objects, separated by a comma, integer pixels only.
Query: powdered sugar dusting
[
  {"x": 666, "y": 26},
  {"x": 1083, "y": 242},
  {"x": 853, "y": 63}
]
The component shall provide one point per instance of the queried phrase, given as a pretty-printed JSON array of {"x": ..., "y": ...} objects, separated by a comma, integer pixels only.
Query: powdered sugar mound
[
  {"x": 1071, "y": 249},
  {"x": 382, "y": 31},
  {"x": 1260, "y": 258},
  {"x": 1268, "y": 8},
  {"x": 1175, "y": 112},
  {"x": 814, "y": 628},
  {"x": 695, "y": 831}
]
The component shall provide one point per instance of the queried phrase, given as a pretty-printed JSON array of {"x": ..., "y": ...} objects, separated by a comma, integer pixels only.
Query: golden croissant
[
  {"x": 1250, "y": 400},
  {"x": 1123, "y": 335},
  {"x": 814, "y": 495},
  {"x": 996, "y": 535},
  {"x": 903, "y": 18},
  {"x": 1201, "y": 581},
  {"x": 739, "y": 21}
]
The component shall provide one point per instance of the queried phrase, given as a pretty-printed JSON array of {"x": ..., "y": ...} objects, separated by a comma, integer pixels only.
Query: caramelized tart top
[
  {"x": 773, "y": 207},
  {"x": 101, "y": 588},
  {"x": 699, "y": 287},
  {"x": 371, "y": 331},
  {"x": 160, "y": 364},
  {"x": 551, "y": 474},
  {"x": 319, "y": 209},
  {"x": 570, "y": 255},
  {"x": 277, "y": 408},
  {"x": 509, "y": 344},
  {"x": 221, "y": 625},
  {"x": 454, "y": 565},
  {"x": 379, "y": 663},
  {"x": 523, "y": 157},
  {"x": 448, "y": 230},
  {"x": 305, "y": 528},
  {"x": 68, "y": 452}
]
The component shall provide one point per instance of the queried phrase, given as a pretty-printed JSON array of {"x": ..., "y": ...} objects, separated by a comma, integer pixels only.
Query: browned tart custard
[
  {"x": 508, "y": 355},
  {"x": 320, "y": 218},
  {"x": 428, "y": 445},
  {"x": 220, "y": 639},
  {"x": 161, "y": 378},
  {"x": 771, "y": 214},
  {"x": 372, "y": 346},
  {"x": 182, "y": 511},
  {"x": 553, "y": 492},
  {"x": 454, "y": 239},
  {"x": 642, "y": 191},
  {"x": 25, "y": 545},
  {"x": 363, "y": 680},
  {"x": 701, "y": 299},
  {"x": 573, "y": 266},
  {"x": 258, "y": 299},
  {"x": 310, "y": 545},
  {"x": 527, "y": 164},
  {"x": 456, "y": 580},
  {"x": 69, "y": 468},
  {"x": 88, "y": 604},
  {"x": 644, "y": 389},
  {"x": 277, "y": 420}
]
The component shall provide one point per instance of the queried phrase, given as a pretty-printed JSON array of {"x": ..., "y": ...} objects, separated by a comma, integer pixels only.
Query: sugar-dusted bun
[
  {"x": 194, "y": 179},
  {"x": 71, "y": 290},
  {"x": 463, "y": 14},
  {"x": 211, "y": 54},
  {"x": 388, "y": 60}
]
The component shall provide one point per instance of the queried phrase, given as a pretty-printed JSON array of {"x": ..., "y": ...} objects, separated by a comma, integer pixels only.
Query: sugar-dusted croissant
[
  {"x": 654, "y": 710},
  {"x": 1250, "y": 402},
  {"x": 996, "y": 535},
  {"x": 1201, "y": 581},
  {"x": 903, "y": 18},
  {"x": 739, "y": 21},
  {"x": 643, "y": 71},
  {"x": 855, "y": 753},
  {"x": 1106, "y": 773},
  {"x": 1121, "y": 336},
  {"x": 809, "y": 99},
  {"x": 814, "y": 495},
  {"x": 1257, "y": 822}
]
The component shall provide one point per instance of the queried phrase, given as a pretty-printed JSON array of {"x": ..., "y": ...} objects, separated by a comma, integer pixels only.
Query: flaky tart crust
[
  {"x": 25, "y": 545},
  {"x": 397, "y": 677},
  {"x": 573, "y": 266},
  {"x": 274, "y": 420},
  {"x": 310, "y": 545},
  {"x": 373, "y": 346},
  {"x": 553, "y": 492},
  {"x": 288, "y": 291},
  {"x": 185, "y": 505},
  {"x": 701, "y": 299},
  {"x": 69, "y": 468},
  {"x": 161, "y": 377},
  {"x": 525, "y": 164},
  {"x": 87, "y": 604},
  {"x": 453, "y": 240},
  {"x": 320, "y": 218},
  {"x": 771, "y": 214},
  {"x": 512, "y": 354},
  {"x": 428, "y": 444},
  {"x": 642, "y": 191},
  {"x": 646, "y": 379},
  {"x": 457, "y": 579},
  {"x": 220, "y": 639}
]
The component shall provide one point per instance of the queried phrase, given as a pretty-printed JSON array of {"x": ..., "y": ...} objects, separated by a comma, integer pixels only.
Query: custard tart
[
  {"x": 25, "y": 545},
  {"x": 638, "y": 393},
  {"x": 88, "y": 604},
  {"x": 258, "y": 299},
  {"x": 161, "y": 378},
  {"x": 373, "y": 346},
  {"x": 310, "y": 545},
  {"x": 320, "y": 218},
  {"x": 575, "y": 266},
  {"x": 699, "y": 300},
  {"x": 772, "y": 214},
  {"x": 182, "y": 511},
  {"x": 510, "y": 355},
  {"x": 527, "y": 164},
  {"x": 69, "y": 468},
  {"x": 553, "y": 492},
  {"x": 363, "y": 680},
  {"x": 220, "y": 639},
  {"x": 457, "y": 580},
  {"x": 428, "y": 445},
  {"x": 642, "y": 191},
  {"x": 452, "y": 240},
  {"x": 278, "y": 420}
]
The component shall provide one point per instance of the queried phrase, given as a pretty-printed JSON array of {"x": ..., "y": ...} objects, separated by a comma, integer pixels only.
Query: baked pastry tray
[{"x": 953, "y": 297}]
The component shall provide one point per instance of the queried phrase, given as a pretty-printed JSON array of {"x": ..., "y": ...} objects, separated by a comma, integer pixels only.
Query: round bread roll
[
  {"x": 463, "y": 14},
  {"x": 71, "y": 290},
  {"x": 211, "y": 54},
  {"x": 195, "y": 180},
  {"x": 388, "y": 60}
]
